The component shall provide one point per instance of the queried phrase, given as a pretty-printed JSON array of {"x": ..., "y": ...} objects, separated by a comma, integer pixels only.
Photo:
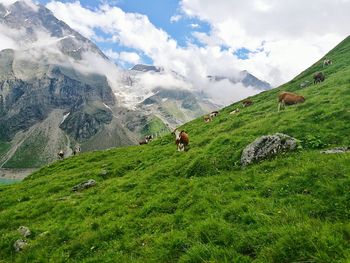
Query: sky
[{"x": 274, "y": 40}]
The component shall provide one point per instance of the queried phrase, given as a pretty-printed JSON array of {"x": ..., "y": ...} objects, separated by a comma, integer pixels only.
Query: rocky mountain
[
  {"x": 167, "y": 95},
  {"x": 146, "y": 68},
  {"x": 34, "y": 22},
  {"x": 49, "y": 97}
]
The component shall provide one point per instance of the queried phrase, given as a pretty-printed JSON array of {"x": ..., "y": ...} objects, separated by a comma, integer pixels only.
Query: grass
[{"x": 154, "y": 204}]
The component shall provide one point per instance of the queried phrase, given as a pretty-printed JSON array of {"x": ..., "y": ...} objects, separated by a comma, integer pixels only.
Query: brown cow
[
  {"x": 319, "y": 77},
  {"x": 247, "y": 102},
  {"x": 288, "y": 98},
  {"x": 181, "y": 140}
]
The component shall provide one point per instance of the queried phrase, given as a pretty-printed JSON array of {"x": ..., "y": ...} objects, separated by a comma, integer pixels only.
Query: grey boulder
[
  {"x": 20, "y": 245},
  {"x": 343, "y": 149},
  {"x": 267, "y": 146},
  {"x": 84, "y": 185},
  {"x": 24, "y": 231}
]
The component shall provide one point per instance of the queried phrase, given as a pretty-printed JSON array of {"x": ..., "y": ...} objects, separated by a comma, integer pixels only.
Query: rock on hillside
[{"x": 266, "y": 147}]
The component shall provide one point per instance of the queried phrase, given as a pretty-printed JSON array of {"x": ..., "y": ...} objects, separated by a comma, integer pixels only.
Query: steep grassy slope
[{"x": 153, "y": 204}]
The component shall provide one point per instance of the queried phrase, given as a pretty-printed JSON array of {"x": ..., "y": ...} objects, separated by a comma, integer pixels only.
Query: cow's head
[{"x": 177, "y": 133}]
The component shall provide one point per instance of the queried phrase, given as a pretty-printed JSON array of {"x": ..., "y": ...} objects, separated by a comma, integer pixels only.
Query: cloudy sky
[{"x": 273, "y": 39}]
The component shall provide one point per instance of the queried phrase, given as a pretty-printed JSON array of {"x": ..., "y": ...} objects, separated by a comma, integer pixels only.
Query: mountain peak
[
  {"x": 146, "y": 68},
  {"x": 27, "y": 5},
  {"x": 244, "y": 77}
]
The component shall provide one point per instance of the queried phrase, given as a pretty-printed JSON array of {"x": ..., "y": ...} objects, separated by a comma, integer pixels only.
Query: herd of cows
[{"x": 284, "y": 99}]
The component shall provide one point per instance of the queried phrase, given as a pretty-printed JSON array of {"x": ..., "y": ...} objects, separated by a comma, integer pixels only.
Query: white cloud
[
  {"x": 130, "y": 57},
  {"x": 7, "y": 37},
  {"x": 224, "y": 92},
  {"x": 194, "y": 25},
  {"x": 111, "y": 54},
  {"x": 175, "y": 18}
]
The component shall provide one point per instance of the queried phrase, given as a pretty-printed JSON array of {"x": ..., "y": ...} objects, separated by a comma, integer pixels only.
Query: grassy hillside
[{"x": 154, "y": 204}]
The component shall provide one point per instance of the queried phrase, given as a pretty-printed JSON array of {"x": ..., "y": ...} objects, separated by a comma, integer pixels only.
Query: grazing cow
[
  {"x": 235, "y": 111},
  {"x": 76, "y": 150},
  {"x": 247, "y": 102},
  {"x": 61, "y": 154},
  {"x": 214, "y": 114},
  {"x": 149, "y": 137},
  {"x": 319, "y": 77},
  {"x": 327, "y": 62},
  {"x": 181, "y": 139},
  {"x": 288, "y": 98},
  {"x": 207, "y": 119},
  {"x": 146, "y": 140}
]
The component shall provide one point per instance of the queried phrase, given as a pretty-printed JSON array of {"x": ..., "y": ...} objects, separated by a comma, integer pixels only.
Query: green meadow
[{"x": 154, "y": 204}]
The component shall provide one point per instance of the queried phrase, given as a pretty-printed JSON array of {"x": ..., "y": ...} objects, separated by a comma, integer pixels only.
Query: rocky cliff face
[{"x": 26, "y": 102}]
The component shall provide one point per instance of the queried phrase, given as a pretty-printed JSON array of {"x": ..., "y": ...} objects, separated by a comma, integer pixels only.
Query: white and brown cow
[
  {"x": 61, "y": 154},
  {"x": 214, "y": 114},
  {"x": 327, "y": 62},
  {"x": 207, "y": 119},
  {"x": 181, "y": 140}
]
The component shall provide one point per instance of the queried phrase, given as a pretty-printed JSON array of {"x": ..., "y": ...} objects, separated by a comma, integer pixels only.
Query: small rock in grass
[
  {"x": 20, "y": 244},
  {"x": 343, "y": 149},
  {"x": 84, "y": 185},
  {"x": 24, "y": 231}
]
